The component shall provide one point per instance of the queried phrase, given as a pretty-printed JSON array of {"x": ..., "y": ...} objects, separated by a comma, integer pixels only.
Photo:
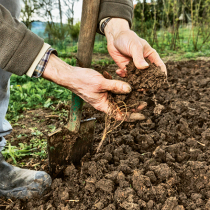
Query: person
[{"x": 22, "y": 52}]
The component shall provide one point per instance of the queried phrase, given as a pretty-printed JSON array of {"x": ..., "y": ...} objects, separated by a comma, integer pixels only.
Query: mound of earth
[
  {"x": 161, "y": 163},
  {"x": 150, "y": 79}
]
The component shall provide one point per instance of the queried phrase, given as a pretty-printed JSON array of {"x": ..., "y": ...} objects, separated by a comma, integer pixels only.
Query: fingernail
[
  {"x": 127, "y": 88},
  {"x": 144, "y": 64},
  {"x": 142, "y": 105}
]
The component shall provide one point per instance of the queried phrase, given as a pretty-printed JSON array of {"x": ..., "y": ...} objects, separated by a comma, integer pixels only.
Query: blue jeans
[{"x": 14, "y": 7}]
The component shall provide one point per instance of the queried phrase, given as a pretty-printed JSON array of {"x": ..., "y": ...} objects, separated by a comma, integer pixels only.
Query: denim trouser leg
[
  {"x": 2, "y": 143},
  {"x": 14, "y": 7},
  {"x": 5, "y": 127}
]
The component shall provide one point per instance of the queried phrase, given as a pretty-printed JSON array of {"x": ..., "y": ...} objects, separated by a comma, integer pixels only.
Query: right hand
[{"x": 90, "y": 85}]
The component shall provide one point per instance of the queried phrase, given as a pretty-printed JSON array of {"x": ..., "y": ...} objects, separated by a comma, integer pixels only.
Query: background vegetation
[
  {"x": 171, "y": 27},
  {"x": 179, "y": 26}
]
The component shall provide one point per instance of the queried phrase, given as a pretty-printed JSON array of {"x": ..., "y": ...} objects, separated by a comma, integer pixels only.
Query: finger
[
  {"x": 121, "y": 72},
  {"x": 116, "y": 86},
  {"x": 135, "y": 116},
  {"x": 163, "y": 68},
  {"x": 130, "y": 117},
  {"x": 142, "y": 105},
  {"x": 138, "y": 57},
  {"x": 107, "y": 75},
  {"x": 154, "y": 57}
]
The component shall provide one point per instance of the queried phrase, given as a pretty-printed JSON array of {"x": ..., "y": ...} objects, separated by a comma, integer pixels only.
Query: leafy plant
[
  {"x": 31, "y": 93},
  {"x": 17, "y": 153}
]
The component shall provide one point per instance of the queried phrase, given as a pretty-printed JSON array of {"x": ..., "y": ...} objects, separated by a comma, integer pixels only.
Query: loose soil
[
  {"x": 150, "y": 79},
  {"x": 159, "y": 163}
]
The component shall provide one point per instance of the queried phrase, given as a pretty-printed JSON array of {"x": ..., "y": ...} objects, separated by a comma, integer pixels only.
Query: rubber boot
[{"x": 21, "y": 183}]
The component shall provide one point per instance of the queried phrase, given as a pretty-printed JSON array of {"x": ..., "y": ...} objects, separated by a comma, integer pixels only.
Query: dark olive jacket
[{"x": 19, "y": 47}]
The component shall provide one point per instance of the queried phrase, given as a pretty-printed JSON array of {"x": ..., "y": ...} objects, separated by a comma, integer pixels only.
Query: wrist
[
  {"x": 116, "y": 26},
  {"x": 57, "y": 71}
]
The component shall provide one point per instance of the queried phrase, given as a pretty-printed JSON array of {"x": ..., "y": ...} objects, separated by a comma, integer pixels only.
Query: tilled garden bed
[{"x": 162, "y": 162}]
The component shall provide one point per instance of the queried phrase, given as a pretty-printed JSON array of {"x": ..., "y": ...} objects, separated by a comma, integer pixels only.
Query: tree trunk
[{"x": 60, "y": 12}]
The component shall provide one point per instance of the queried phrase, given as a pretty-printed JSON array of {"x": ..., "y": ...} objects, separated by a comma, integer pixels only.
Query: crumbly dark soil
[
  {"x": 160, "y": 163},
  {"x": 140, "y": 80},
  {"x": 151, "y": 78}
]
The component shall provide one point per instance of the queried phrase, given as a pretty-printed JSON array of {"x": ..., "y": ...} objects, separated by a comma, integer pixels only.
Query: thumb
[
  {"x": 116, "y": 86},
  {"x": 138, "y": 57}
]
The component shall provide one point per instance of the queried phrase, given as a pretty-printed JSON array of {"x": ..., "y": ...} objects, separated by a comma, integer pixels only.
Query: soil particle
[
  {"x": 110, "y": 207},
  {"x": 152, "y": 176},
  {"x": 122, "y": 194},
  {"x": 99, "y": 205},
  {"x": 163, "y": 172},
  {"x": 207, "y": 206},
  {"x": 90, "y": 184},
  {"x": 129, "y": 206},
  {"x": 142, "y": 204},
  {"x": 150, "y": 204},
  {"x": 106, "y": 185},
  {"x": 170, "y": 204},
  {"x": 158, "y": 109},
  {"x": 180, "y": 207}
]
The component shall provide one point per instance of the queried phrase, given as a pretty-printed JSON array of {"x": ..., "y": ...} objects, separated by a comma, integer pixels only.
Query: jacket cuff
[
  {"x": 37, "y": 59},
  {"x": 25, "y": 54},
  {"x": 117, "y": 9}
]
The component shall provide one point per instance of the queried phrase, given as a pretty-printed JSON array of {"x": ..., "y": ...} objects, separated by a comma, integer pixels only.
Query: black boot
[{"x": 21, "y": 183}]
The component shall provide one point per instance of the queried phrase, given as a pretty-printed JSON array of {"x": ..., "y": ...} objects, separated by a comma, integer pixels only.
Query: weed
[
  {"x": 17, "y": 153},
  {"x": 41, "y": 146}
]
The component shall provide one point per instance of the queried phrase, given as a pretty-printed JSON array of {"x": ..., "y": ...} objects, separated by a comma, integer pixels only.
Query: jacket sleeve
[
  {"x": 116, "y": 8},
  {"x": 19, "y": 47}
]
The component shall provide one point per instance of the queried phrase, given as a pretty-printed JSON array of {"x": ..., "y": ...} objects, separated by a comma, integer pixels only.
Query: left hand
[{"x": 124, "y": 45}]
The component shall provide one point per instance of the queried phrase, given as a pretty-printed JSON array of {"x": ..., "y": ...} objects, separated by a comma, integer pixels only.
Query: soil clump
[{"x": 150, "y": 79}]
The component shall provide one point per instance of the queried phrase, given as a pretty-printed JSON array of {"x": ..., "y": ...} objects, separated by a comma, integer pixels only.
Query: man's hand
[
  {"x": 124, "y": 44},
  {"x": 90, "y": 85}
]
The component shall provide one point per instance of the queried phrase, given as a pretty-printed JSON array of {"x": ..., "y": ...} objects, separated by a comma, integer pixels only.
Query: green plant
[
  {"x": 103, "y": 62},
  {"x": 41, "y": 147},
  {"x": 17, "y": 153},
  {"x": 74, "y": 31},
  {"x": 31, "y": 93},
  {"x": 174, "y": 25}
]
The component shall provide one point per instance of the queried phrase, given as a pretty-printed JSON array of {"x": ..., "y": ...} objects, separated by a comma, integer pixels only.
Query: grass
[{"x": 184, "y": 47}]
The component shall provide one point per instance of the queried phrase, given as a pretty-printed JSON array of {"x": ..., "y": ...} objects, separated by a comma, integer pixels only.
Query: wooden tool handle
[{"x": 90, "y": 10}]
